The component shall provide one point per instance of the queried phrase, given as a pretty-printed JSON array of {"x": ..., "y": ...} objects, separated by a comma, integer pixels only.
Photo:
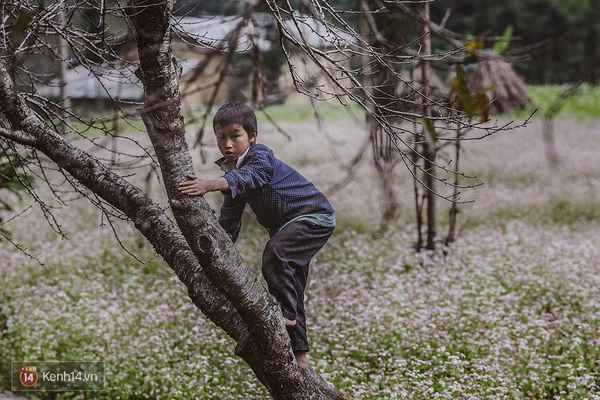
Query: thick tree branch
[
  {"x": 271, "y": 356},
  {"x": 18, "y": 136}
]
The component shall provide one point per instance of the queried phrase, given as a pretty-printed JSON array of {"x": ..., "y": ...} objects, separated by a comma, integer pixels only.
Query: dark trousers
[{"x": 285, "y": 264}]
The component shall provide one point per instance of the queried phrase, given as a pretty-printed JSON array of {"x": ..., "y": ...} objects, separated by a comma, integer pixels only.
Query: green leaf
[
  {"x": 481, "y": 104},
  {"x": 460, "y": 88},
  {"x": 473, "y": 48},
  {"x": 430, "y": 137},
  {"x": 475, "y": 45},
  {"x": 502, "y": 45}
]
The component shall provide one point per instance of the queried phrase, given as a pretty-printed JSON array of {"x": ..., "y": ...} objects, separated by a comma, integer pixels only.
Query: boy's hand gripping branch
[{"x": 196, "y": 186}]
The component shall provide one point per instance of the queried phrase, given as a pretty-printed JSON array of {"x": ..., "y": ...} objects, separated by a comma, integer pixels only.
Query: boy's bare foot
[
  {"x": 302, "y": 359},
  {"x": 289, "y": 322}
]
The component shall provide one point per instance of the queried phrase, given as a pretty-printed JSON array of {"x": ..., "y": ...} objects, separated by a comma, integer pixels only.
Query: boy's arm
[
  {"x": 196, "y": 186},
  {"x": 231, "y": 215}
]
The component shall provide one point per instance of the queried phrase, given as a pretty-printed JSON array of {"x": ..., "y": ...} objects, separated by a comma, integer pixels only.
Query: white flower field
[{"x": 510, "y": 311}]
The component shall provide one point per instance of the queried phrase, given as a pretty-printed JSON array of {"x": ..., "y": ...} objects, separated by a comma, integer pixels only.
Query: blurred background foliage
[
  {"x": 571, "y": 29},
  {"x": 558, "y": 38},
  {"x": 568, "y": 31}
]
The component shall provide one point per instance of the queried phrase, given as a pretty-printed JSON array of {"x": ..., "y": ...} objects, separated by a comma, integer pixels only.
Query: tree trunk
[
  {"x": 225, "y": 290},
  {"x": 451, "y": 238},
  {"x": 380, "y": 83},
  {"x": 430, "y": 150}
]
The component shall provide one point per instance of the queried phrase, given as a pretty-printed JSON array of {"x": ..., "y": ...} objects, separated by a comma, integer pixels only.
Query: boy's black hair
[{"x": 236, "y": 113}]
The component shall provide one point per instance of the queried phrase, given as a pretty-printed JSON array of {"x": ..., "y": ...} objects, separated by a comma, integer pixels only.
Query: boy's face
[{"x": 233, "y": 140}]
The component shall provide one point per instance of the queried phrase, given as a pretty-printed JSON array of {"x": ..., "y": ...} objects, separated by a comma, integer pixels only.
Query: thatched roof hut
[{"x": 505, "y": 89}]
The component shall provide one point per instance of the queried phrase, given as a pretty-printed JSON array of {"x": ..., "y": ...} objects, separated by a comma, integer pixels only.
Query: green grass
[{"x": 585, "y": 103}]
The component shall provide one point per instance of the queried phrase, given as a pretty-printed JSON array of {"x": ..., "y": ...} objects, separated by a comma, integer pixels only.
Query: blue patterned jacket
[{"x": 276, "y": 192}]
